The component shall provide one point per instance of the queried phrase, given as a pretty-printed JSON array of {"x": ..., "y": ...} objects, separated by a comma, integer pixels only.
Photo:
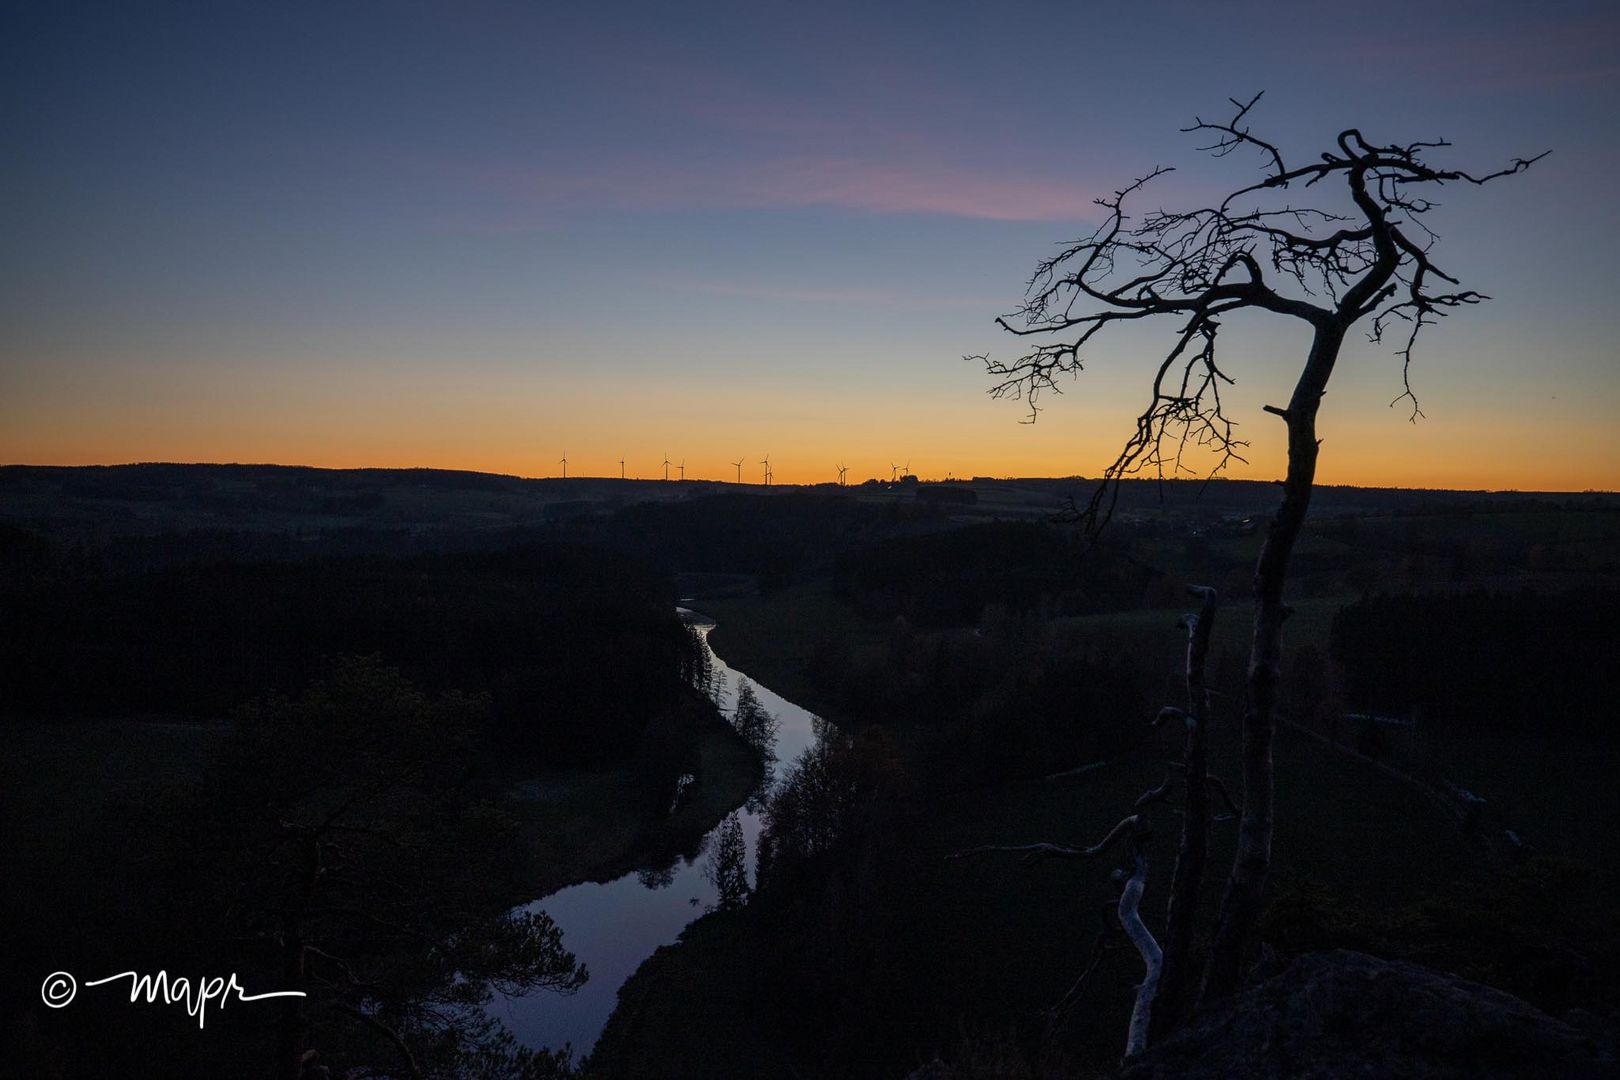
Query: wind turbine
[
  {"x": 621, "y": 468},
  {"x": 907, "y": 470},
  {"x": 767, "y": 464},
  {"x": 738, "y": 463},
  {"x": 894, "y": 471},
  {"x": 683, "y": 470},
  {"x": 842, "y": 469},
  {"x": 565, "y": 464},
  {"x": 666, "y": 467}
]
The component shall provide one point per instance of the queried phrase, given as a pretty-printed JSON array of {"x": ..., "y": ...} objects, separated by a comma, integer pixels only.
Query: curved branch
[
  {"x": 1099, "y": 946},
  {"x": 1130, "y": 917},
  {"x": 1160, "y": 793},
  {"x": 1231, "y": 136},
  {"x": 1034, "y": 853}
]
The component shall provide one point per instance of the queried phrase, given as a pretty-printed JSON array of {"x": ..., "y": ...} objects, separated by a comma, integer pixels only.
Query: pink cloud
[
  {"x": 896, "y": 187},
  {"x": 692, "y": 134},
  {"x": 882, "y": 298},
  {"x": 873, "y": 186}
]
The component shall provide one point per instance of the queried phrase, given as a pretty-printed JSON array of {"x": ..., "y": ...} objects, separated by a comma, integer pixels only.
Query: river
[{"x": 612, "y": 927}]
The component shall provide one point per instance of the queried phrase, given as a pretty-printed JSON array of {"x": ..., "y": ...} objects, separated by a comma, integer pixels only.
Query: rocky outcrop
[{"x": 1344, "y": 1014}]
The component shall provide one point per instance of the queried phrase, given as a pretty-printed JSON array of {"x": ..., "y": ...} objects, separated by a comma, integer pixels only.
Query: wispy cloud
[
  {"x": 849, "y": 183},
  {"x": 914, "y": 187},
  {"x": 696, "y": 134},
  {"x": 871, "y": 297}
]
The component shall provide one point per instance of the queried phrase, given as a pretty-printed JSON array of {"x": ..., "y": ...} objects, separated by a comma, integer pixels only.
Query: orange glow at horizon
[
  {"x": 808, "y": 465},
  {"x": 520, "y": 423}
]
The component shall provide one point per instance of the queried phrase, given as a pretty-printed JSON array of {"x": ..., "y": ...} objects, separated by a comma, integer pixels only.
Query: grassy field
[
  {"x": 962, "y": 950},
  {"x": 1552, "y": 791},
  {"x": 1159, "y": 648},
  {"x": 586, "y": 825},
  {"x": 771, "y": 637}
]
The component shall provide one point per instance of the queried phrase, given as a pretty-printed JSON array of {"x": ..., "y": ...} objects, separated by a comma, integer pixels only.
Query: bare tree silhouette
[{"x": 1367, "y": 258}]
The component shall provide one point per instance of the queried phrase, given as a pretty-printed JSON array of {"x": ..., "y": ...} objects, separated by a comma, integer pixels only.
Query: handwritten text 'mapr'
[{"x": 195, "y": 995}]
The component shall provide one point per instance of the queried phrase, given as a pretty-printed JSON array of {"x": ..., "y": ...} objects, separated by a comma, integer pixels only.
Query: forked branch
[
  {"x": 1035, "y": 853},
  {"x": 1255, "y": 249}
]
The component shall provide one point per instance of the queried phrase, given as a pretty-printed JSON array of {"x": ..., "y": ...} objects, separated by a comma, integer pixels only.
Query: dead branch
[
  {"x": 1130, "y": 917},
  {"x": 1034, "y": 853},
  {"x": 1161, "y": 793},
  {"x": 1099, "y": 946}
]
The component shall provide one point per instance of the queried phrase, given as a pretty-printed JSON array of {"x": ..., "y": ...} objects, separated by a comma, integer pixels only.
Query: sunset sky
[{"x": 478, "y": 235}]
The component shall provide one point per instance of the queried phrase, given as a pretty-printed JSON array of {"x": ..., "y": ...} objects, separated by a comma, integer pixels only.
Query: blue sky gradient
[{"x": 476, "y": 235}]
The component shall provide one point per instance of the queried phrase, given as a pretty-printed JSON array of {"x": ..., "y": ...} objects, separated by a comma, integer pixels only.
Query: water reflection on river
[{"x": 613, "y": 927}]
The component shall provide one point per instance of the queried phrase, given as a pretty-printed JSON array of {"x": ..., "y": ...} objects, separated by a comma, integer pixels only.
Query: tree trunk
[
  {"x": 1245, "y": 886},
  {"x": 1188, "y": 875}
]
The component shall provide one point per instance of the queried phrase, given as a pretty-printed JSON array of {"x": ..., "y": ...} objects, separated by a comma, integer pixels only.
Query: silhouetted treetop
[{"x": 1359, "y": 247}]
